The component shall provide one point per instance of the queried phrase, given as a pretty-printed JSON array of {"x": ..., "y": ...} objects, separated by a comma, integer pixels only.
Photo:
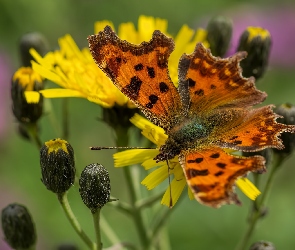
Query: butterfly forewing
[{"x": 140, "y": 72}]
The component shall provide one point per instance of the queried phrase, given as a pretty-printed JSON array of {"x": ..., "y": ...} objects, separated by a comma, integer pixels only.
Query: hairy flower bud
[
  {"x": 32, "y": 40},
  {"x": 95, "y": 186},
  {"x": 18, "y": 227},
  {"x": 287, "y": 111},
  {"x": 257, "y": 42},
  {"x": 262, "y": 245},
  {"x": 219, "y": 35},
  {"x": 24, "y": 79},
  {"x": 57, "y": 165}
]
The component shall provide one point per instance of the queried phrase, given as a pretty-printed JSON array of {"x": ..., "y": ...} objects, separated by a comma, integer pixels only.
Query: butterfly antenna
[
  {"x": 170, "y": 189},
  {"x": 100, "y": 148}
]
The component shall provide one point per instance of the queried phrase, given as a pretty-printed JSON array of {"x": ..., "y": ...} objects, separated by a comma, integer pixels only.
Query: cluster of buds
[
  {"x": 256, "y": 41},
  {"x": 26, "y": 79},
  {"x": 58, "y": 174}
]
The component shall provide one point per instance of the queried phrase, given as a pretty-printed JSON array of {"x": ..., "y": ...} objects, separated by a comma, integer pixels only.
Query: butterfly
[{"x": 210, "y": 110}]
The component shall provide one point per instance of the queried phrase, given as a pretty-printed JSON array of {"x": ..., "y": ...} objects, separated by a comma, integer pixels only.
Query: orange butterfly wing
[
  {"x": 255, "y": 130},
  {"x": 207, "y": 82},
  {"x": 211, "y": 174},
  {"x": 140, "y": 72}
]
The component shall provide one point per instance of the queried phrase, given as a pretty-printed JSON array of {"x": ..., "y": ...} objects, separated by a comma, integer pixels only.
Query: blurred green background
[{"x": 191, "y": 225}]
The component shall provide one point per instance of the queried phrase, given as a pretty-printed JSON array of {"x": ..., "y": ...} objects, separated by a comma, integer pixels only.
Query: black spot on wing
[
  {"x": 138, "y": 67},
  {"x": 153, "y": 100},
  {"x": 151, "y": 72},
  {"x": 215, "y": 156},
  {"x": 163, "y": 87},
  {"x": 134, "y": 87},
  {"x": 221, "y": 165},
  {"x": 191, "y": 173},
  {"x": 191, "y": 82},
  {"x": 197, "y": 160}
]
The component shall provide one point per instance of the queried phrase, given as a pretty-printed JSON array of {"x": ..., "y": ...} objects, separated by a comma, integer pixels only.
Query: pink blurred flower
[
  {"x": 5, "y": 106},
  {"x": 279, "y": 22}
]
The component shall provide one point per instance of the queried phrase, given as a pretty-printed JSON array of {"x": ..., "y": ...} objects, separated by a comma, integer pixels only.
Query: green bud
[
  {"x": 262, "y": 245},
  {"x": 257, "y": 42},
  {"x": 118, "y": 117},
  {"x": 287, "y": 111},
  {"x": 26, "y": 78},
  {"x": 32, "y": 40},
  {"x": 18, "y": 227},
  {"x": 57, "y": 165},
  {"x": 219, "y": 32},
  {"x": 95, "y": 187}
]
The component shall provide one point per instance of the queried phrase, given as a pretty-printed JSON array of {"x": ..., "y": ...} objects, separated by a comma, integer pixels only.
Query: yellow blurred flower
[
  {"x": 145, "y": 156},
  {"x": 75, "y": 71}
]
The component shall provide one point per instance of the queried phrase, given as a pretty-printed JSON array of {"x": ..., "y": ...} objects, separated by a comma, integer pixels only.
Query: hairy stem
[
  {"x": 63, "y": 199},
  {"x": 258, "y": 205}
]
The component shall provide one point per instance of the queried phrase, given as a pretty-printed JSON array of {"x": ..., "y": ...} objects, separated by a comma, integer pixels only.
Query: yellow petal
[
  {"x": 161, "y": 24},
  {"x": 248, "y": 188},
  {"x": 174, "y": 191},
  {"x": 152, "y": 132},
  {"x": 155, "y": 177},
  {"x": 44, "y": 72},
  {"x": 32, "y": 96},
  {"x": 190, "y": 194},
  {"x": 99, "y": 26},
  {"x": 151, "y": 163},
  {"x": 128, "y": 32},
  {"x": 60, "y": 93},
  {"x": 146, "y": 27},
  {"x": 133, "y": 156}
]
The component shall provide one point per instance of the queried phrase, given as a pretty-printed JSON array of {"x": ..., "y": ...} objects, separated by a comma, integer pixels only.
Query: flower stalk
[
  {"x": 96, "y": 221},
  {"x": 63, "y": 199},
  {"x": 259, "y": 204}
]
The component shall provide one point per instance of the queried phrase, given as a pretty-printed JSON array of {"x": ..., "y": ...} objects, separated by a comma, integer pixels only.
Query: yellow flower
[
  {"x": 145, "y": 156},
  {"x": 75, "y": 71}
]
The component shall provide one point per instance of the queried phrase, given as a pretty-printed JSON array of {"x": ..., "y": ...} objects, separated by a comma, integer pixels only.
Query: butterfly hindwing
[
  {"x": 211, "y": 173},
  {"x": 252, "y": 130},
  {"x": 140, "y": 72}
]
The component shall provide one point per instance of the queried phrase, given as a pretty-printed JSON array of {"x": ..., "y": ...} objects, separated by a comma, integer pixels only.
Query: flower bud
[
  {"x": 26, "y": 78},
  {"x": 118, "y": 116},
  {"x": 95, "y": 187},
  {"x": 262, "y": 245},
  {"x": 18, "y": 227},
  {"x": 32, "y": 40},
  {"x": 219, "y": 35},
  {"x": 287, "y": 111},
  {"x": 257, "y": 42},
  {"x": 57, "y": 165}
]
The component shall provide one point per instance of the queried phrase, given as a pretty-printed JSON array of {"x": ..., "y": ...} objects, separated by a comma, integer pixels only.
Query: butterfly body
[
  {"x": 185, "y": 134},
  {"x": 210, "y": 110}
]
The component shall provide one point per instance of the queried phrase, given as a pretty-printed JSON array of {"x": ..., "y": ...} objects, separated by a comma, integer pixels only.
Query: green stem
[
  {"x": 258, "y": 205},
  {"x": 160, "y": 222},
  {"x": 123, "y": 206},
  {"x": 32, "y": 130},
  {"x": 122, "y": 140},
  {"x": 65, "y": 116},
  {"x": 96, "y": 219},
  {"x": 108, "y": 231},
  {"x": 63, "y": 199},
  {"x": 147, "y": 202}
]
